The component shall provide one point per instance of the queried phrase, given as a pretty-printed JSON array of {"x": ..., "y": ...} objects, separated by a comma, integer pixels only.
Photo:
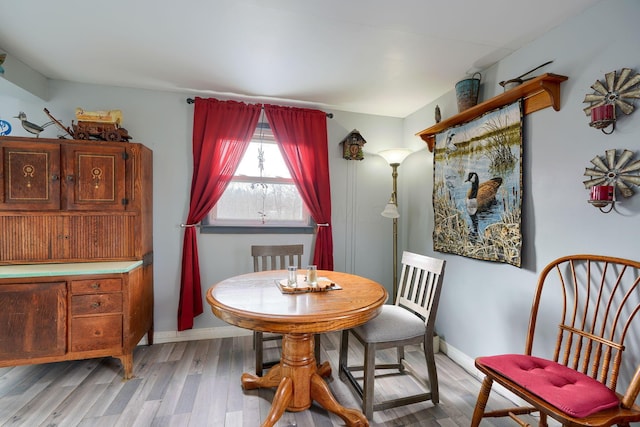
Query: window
[{"x": 262, "y": 196}]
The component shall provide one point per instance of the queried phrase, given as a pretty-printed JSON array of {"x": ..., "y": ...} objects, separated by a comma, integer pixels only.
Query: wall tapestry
[{"x": 477, "y": 187}]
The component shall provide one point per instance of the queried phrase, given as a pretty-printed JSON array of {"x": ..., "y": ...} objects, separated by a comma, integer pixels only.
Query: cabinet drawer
[
  {"x": 83, "y": 305},
  {"x": 94, "y": 286},
  {"x": 96, "y": 332}
]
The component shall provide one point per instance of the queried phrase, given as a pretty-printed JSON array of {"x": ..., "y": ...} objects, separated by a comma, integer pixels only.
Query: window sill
[{"x": 214, "y": 229}]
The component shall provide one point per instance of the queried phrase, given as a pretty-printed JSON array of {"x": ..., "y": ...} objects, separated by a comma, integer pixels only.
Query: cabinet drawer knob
[
  {"x": 54, "y": 177},
  {"x": 95, "y": 305},
  {"x": 69, "y": 177},
  {"x": 96, "y": 286}
]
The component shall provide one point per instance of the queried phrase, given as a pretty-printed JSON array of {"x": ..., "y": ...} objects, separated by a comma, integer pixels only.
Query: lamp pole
[
  {"x": 394, "y": 175},
  {"x": 394, "y": 157}
]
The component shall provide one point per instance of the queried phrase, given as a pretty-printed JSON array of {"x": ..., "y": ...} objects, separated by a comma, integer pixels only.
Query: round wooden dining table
[{"x": 255, "y": 301}]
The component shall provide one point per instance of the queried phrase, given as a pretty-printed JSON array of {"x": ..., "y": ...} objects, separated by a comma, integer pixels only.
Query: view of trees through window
[{"x": 262, "y": 191}]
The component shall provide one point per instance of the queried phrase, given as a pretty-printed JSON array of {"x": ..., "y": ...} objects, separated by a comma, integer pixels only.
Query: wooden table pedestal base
[{"x": 299, "y": 381}]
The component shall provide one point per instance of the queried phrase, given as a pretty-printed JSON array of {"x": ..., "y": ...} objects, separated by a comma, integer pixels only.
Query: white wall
[{"x": 484, "y": 305}]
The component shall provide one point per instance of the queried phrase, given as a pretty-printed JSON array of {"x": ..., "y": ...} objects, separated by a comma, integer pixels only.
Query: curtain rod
[{"x": 191, "y": 101}]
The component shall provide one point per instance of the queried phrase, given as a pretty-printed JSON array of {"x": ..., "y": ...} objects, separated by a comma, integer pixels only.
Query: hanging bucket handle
[{"x": 479, "y": 75}]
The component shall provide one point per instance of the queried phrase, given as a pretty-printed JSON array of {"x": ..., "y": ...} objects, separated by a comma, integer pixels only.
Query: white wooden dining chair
[
  {"x": 410, "y": 320},
  {"x": 275, "y": 257}
]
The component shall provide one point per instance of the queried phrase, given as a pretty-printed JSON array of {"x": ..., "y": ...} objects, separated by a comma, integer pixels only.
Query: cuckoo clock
[{"x": 352, "y": 146}]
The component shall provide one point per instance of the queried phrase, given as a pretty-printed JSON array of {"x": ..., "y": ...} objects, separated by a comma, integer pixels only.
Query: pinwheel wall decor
[
  {"x": 617, "y": 92},
  {"x": 610, "y": 174}
]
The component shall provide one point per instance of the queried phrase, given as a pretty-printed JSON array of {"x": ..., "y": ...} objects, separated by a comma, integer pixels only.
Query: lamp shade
[
  {"x": 395, "y": 155},
  {"x": 390, "y": 211}
]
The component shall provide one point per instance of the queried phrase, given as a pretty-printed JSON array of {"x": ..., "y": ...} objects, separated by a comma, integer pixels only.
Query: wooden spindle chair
[{"x": 593, "y": 300}]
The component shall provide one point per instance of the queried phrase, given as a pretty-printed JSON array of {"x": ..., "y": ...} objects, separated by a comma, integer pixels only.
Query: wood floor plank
[
  {"x": 124, "y": 396},
  {"x": 17, "y": 380},
  {"x": 106, "y": 421},
  {"x": 46, "y": 401},
  {"x": 141, "y": 398},
  {"x": 218, "y": 398},
  {"x": 199, "y": 357},
  {"x": 106, "y": 397},
  {"x": 145, "y": 415},
  {"x": 74, "y": 407},
  {"x": 161, "y": 377},
  {"x": 188, "y": 395},
  {"x": 202, "y": 405}
]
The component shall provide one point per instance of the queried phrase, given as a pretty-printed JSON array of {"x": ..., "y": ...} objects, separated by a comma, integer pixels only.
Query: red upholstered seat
[{"x": 568, "y": 390}]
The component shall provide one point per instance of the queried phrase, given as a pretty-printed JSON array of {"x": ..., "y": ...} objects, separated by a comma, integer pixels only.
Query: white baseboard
[
  {"x": 197, "y": 334},
  {"x": 468, "y": 364}
]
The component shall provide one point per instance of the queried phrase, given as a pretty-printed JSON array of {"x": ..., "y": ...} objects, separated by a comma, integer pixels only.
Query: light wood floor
[{"x": 197, "y": 383}]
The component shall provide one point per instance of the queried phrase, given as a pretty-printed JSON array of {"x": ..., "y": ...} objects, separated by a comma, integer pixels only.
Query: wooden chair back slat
[
  {"x": 276, "y": 257},
  {"x": 419, "y": 284}
]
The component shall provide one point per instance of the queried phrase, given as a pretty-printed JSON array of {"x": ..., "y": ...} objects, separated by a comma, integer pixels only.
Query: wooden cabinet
[
  {"x": 78, "y": 205},
  {"x": 71, "y": 201},
  {"x": 69, "y": 312}
]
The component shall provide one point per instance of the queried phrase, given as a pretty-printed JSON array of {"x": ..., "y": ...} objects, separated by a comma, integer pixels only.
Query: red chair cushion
[{"x": 570, "y": 391}]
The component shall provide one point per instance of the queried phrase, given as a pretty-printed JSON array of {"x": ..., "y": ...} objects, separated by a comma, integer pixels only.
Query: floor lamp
[{"x": 394, "y": 157}]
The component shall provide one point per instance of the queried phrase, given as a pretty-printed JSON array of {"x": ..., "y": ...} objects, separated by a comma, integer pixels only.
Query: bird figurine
[
  {"x": 3, "y": 56},
  {"x": 481, "y": 195},
  {"x": 31, "y": 127},
  {"x": 438, "y": 114}
]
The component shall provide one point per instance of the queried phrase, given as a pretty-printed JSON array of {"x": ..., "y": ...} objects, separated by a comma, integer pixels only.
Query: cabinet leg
[
  {"x": 127, "y": 365},
  {"x": 150, "y": 336}
]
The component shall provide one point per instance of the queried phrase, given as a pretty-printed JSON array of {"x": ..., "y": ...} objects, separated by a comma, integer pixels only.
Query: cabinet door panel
[
  {"x": 32, "y": 238},
  {"x": 43, "y": 238},
  {"x": 31, "y": 174},
  {"x": 94, "y": 178},
  {"x": 33, "y": 318},
  {"x": 101, "y": 237}
]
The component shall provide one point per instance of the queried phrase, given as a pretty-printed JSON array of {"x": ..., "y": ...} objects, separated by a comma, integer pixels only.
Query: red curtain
[
  {"x": 302, "y": 137},
  {"x": 222, "y": 131}
]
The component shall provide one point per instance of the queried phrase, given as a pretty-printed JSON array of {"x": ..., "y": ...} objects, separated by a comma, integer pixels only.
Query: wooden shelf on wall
[{"x": 538, "y": 93}]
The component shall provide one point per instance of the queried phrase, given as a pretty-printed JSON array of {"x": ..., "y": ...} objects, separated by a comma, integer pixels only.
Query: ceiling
[{"x": 385, "y": 57}]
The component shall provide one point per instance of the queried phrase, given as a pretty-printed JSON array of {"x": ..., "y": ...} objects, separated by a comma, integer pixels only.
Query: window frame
[{"x": 263, "y": 132}]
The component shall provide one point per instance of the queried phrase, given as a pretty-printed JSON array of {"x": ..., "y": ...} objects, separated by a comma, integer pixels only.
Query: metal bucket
[{"x": 467, "y": 92}]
